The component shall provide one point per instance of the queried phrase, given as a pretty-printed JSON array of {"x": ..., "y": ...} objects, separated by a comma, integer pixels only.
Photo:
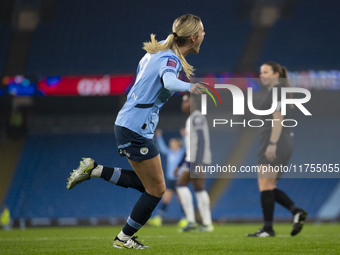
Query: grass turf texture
[{"x": 226, "y": 239}]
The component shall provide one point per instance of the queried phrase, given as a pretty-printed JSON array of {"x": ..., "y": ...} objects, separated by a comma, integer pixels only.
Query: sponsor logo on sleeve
[{"x": 172, "y": 62}]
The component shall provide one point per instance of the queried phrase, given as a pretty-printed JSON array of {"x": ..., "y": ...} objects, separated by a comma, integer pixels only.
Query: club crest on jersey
[
  {"x": 172, "y": 62},
  {"x": 144, "y": 150}
]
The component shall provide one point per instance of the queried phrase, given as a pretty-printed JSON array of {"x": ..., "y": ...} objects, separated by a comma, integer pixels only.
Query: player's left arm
[
  {"x": 170, "y": 66},
  {"x": 172, "y": 83},
  {"x": 275, "y": 134}
]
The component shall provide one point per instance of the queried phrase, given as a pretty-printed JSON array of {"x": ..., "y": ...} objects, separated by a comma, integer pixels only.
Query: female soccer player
[
  {"x": 276, "y": 147},
  {"x": 197, "y": 143},
  {"x": 156, "y": 81}
]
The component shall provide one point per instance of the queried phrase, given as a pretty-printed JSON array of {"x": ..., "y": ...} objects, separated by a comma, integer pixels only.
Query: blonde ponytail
[{"x": 183, "y": 27}]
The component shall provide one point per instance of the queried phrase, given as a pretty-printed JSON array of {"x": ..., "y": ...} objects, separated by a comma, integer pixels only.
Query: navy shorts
[{"x": 134, "y": 146}]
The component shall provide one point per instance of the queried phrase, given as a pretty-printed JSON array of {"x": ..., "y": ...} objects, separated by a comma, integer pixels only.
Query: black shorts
[
  {"x": 134, "y": 146},
  {"x": 284, "y": 149}
]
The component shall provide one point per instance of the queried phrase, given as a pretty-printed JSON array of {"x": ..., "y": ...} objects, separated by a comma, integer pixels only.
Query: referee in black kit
[{"x": 276, "y": 147}]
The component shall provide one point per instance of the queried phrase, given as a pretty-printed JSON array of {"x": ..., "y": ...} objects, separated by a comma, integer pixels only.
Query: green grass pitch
[{"x": 226, "y": 239}]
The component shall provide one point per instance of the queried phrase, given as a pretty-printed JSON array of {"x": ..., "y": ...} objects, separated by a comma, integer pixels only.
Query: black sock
[
  {"x": 267, "y": 202},
  {"x": 284, "y": 200},
  {"x": 122, "y": 177},
  {"x": 141, "y": 212}
]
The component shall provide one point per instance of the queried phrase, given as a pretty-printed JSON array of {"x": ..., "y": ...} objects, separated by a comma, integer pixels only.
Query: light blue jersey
[
  {"x": 140, "y": 112},
  {"x": 173, "y": 158}
]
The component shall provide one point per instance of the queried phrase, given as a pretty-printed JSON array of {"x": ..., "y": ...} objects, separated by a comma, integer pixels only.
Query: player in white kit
[{"x": 198, "y": 153}]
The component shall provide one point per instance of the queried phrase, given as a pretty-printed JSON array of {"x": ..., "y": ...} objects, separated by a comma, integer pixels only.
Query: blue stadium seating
[
  {"x": 98, "y": 37},
  {"x": 242, "y": 200},
  {"x": 307, "y": 40},
  {"x": 38, "y": 187},
  {"x": 91, "y": 37},
  {"x": 39, "y": 190}
]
